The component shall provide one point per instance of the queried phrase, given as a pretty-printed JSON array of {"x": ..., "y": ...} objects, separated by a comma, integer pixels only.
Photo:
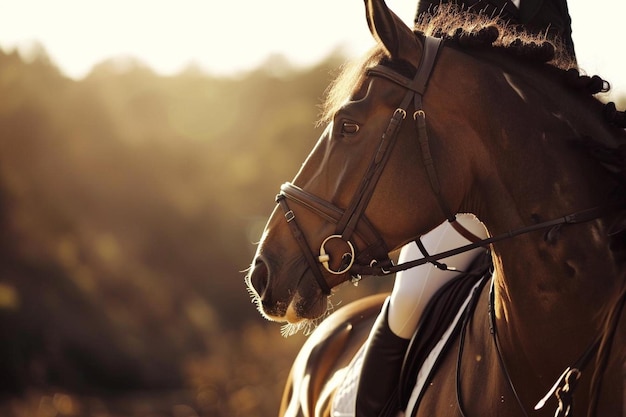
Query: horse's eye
[{"x": 349, "y": 128}]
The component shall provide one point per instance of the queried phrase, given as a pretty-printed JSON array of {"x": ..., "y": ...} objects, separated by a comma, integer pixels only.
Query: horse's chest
[
  {"x": 478, "y": 388},
  {"x": 439, "y": 396}
]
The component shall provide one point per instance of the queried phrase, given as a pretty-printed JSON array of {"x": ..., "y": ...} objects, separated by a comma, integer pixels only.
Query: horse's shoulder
[
  {"x": 327, "y": 351},
  {"x": 339, "y": 335}
]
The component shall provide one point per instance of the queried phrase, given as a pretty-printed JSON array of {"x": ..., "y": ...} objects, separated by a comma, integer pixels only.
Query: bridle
[
  {"x": 352, "y": 220},
  {"x": 374, "y": 259}
]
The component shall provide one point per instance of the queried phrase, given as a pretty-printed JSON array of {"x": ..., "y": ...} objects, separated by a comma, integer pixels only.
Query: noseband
[{"x": 352, "y": 220}]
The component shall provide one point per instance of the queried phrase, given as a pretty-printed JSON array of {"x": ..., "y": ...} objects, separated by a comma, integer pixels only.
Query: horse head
[{"x": 363, "y": 190}]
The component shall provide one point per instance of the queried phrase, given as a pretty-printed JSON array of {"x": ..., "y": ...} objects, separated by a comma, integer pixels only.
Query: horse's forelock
[{"x": 350, "y": 76}]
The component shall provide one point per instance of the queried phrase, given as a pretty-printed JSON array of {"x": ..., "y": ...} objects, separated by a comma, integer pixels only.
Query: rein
[{"x": 574, "y": 218}]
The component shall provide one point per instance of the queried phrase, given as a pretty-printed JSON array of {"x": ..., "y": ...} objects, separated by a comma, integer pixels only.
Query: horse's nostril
[{"x": 259, "y": 277}]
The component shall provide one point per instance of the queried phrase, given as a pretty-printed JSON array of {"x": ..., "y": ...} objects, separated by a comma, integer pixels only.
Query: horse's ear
[{"x": 392, "y": 33}]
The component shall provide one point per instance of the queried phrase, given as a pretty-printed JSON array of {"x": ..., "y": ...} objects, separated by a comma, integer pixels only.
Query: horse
[{"x": 441, "y": 121}]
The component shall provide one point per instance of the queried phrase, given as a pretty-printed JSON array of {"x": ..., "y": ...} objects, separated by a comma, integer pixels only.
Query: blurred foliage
[{"x": 129, "y": 207}]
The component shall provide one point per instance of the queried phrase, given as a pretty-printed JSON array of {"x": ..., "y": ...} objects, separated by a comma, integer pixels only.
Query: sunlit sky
[{"x": 230, "y": 36}]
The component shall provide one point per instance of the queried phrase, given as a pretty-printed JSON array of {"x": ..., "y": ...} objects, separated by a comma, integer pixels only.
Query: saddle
[{"x": 439, "y": 326}]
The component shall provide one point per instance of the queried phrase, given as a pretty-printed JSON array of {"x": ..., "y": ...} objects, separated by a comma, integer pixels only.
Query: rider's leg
[
  {"x": 390, "y": 335},
  {"x": 415, "y": 287}
]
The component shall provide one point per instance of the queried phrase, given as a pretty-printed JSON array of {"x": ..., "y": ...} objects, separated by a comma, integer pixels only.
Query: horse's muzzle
[{"x": 302, "y": 300}]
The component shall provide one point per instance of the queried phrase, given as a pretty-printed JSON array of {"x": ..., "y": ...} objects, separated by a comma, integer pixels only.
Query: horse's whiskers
[
  {"x": 306, "y": 326},
  {"x": 290, "y": 329}
]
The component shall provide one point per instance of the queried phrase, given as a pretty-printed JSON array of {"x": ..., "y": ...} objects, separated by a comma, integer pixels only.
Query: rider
[{"x": 398, "y": 319}]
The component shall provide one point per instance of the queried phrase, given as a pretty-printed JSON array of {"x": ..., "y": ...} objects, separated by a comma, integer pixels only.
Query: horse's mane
[
  {"x": 449, "y": 21},
  {"x": 479, "y": 31},
  {"x": 472, "y": 30}
]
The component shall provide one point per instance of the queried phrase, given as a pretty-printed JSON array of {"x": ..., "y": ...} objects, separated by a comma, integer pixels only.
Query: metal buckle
[{"x": 324, "y": 258}]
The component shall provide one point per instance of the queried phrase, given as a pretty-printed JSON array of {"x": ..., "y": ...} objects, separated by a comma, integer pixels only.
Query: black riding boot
[{"x": 378, "y": 383}]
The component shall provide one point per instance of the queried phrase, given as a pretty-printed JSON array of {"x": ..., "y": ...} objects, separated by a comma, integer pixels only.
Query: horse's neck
[
  {"x": 545, "y": 87},
  {"x": 551, "y": 289},
  {"x": 550, "y": 306},
  {"x": 533, "y": 172},
  {"x": 555, "y": 283}
]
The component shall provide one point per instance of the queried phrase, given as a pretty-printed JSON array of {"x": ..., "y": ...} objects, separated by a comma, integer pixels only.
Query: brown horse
[{"x": 428, "y": 129}]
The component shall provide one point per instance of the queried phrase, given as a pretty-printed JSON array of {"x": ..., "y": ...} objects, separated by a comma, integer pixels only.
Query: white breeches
[{"x": 414, "y": 287}]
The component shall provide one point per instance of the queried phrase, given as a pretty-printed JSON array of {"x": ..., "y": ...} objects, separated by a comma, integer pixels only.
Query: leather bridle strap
[
  {"x": 415, "y": 89},
  {"x": 418, "y": 85},
  {"x": 304, "y": 246},
  {"x": 376, "y": 249},
  {"x": 353, "y": 216}
]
